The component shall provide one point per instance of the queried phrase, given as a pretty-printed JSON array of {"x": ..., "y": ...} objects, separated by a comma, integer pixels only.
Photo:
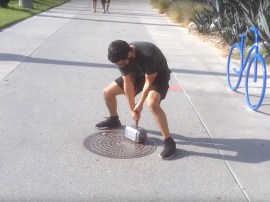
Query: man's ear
[{"x": 130, "y": 54}]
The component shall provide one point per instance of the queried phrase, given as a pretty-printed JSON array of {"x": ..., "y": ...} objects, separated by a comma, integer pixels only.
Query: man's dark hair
[{"x": 118, "y": 50}]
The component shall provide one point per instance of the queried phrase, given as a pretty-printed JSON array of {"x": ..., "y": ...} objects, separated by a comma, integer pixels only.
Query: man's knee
[
  {"x": 153, "y": 101},
  {"x": 107, "y": 92},
  {"x": 112, "y": 90}
]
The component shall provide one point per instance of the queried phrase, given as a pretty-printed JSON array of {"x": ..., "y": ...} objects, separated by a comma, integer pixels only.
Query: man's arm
[
  {"x": 129, "y": 91},
  {"x": 130, "y": 94},
  {"x": 149, "y": 79}
]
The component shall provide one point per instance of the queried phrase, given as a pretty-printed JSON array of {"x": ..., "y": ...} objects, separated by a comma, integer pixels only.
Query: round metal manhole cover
[{"x": 114, "y": 144}]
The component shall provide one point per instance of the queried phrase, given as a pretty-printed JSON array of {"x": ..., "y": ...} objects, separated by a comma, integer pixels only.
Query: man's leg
[
  {"x": 110, "y": 92},
  {"x": 94, "y": 6},
  {"x": 107, "y": 5},
  {"x": 153, "y": 102},
  {"x": 103, "y": 5}
]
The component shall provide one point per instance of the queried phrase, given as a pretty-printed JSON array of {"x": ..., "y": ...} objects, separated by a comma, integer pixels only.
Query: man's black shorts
[{"x": 161, "y": 84}]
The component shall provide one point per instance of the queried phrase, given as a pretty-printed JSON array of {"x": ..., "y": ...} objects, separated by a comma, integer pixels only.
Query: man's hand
[
  {"x": 136, "y": 112},
  {"x": 135, "y": 115},
  {"x": 138, "y": 108}
]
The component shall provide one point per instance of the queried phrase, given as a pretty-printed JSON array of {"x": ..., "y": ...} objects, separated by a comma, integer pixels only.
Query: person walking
[
  {"x": 105, "y": 6},
  {"x": 94, "y": 6},
  {"x": 144, "y": 69}
]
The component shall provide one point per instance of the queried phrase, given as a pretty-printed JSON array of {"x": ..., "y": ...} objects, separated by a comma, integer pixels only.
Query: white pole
[{"x": 217, "y": 5}]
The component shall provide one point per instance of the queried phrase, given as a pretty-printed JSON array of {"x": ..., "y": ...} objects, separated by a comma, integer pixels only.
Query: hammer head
[{"x": 136, "y": 134}]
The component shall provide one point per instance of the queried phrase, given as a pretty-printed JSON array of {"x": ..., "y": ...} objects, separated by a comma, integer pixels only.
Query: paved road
[{"x": 53, "y": 69}]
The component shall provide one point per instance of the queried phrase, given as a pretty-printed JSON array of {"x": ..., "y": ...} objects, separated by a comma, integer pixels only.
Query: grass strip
[{"x": 14, "y": 13}]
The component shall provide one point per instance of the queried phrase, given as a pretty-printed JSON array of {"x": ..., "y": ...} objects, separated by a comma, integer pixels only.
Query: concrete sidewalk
[{"x": 53, "y": 69}]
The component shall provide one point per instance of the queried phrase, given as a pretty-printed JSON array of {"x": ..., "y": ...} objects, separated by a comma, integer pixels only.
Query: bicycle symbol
[{"x": 255, "y": 74}]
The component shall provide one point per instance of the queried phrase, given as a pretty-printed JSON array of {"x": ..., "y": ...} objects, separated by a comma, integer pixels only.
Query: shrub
[
  {"x": 155, "y": 3},
  {"x": 181, "y": 11},
  {"x": 204, "y": 20},
  {"x": 230, "y": 19},
  {"x": 162, "y": 5},
  {"x": 241, "y": 14}
]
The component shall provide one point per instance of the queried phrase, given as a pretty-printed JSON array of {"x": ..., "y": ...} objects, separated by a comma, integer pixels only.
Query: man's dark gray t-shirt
[{"x": 148, "y": 60}]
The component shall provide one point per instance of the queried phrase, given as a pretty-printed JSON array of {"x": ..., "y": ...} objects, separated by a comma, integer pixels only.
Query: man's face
[{"x": 122, "y": 63}]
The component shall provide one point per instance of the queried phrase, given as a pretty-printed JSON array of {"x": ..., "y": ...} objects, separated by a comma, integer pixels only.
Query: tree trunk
[
  {"x": 26, "y": 3},
  {"x": 4, "y": 3}
]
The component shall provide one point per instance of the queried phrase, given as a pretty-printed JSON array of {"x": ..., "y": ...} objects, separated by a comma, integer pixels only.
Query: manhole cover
[{"x": 114, "y": 144}]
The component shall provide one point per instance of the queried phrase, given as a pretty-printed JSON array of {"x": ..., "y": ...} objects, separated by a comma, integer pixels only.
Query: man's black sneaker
[
  {"x": 169, "y": 149},
  {"x": 111, "y": 122}
]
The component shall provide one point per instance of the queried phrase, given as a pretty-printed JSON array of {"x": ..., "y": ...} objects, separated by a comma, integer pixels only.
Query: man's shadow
[{"x": 243, "y": 150}]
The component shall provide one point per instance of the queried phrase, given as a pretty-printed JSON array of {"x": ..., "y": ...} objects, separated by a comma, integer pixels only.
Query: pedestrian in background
[
  {"x": 105, "y": 6},
  {"x": 94, "y": 6}
]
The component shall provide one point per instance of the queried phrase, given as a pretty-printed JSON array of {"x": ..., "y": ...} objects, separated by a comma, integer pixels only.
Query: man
[
  {"x": 94, "y": 6},
  {"x": 144, "y": 69},
  {"x": 105, "y": 6}
]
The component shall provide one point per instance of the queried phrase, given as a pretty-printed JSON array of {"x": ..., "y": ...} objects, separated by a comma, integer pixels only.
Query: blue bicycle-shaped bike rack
[{"x": 255, "y": 74}]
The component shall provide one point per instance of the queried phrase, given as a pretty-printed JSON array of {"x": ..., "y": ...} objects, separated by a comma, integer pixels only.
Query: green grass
[{"x": 14, "y": 13}]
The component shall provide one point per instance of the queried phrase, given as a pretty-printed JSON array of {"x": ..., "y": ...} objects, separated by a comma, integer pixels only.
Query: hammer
[{"x": 135, "y": 133}]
